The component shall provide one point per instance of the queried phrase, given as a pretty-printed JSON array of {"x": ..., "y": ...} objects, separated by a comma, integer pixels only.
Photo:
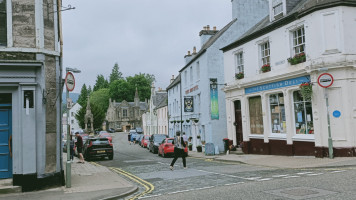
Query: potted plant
[
  {"x": 297, "y": 58},
  {"x": 171, "y": 122},
  {"x": 266, "y": 68},
  {"x": 182, "y": 121},
  {"x": 190, "y": 146},
  {"x": 239, "y": 75},
  {"x": 306, "y": 90},
  {"x": 199, "y": 148},
  {"x": 203, "y": 142}
]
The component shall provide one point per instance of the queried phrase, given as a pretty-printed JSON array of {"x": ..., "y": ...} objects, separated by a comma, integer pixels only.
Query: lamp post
[{"x": 72, "y": 84}]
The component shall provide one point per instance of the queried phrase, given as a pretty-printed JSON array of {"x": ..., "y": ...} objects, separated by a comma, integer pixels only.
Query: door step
[
  {"x": 6, "y": 187},
  {"x": 237, "y": 152}
]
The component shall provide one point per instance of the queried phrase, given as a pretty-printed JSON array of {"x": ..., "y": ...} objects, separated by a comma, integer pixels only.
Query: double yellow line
[{"x": 148, "y": 186}]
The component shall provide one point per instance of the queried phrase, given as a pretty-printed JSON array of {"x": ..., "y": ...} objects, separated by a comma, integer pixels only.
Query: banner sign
[
  {"x": 214, "y": 98},
  {"x": 188, "y": 104},
  {"x": 279, "y": 84}
]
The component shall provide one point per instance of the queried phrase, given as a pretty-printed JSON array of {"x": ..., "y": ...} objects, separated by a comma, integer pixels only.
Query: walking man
[
  {"x": 79, "y": 145},
  {"x": 179, "y": 146},
  {"x": 185, "y": 138}
]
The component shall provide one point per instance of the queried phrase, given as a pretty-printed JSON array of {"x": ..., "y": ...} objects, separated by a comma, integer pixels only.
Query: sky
[{"x": 142, "y": 36}]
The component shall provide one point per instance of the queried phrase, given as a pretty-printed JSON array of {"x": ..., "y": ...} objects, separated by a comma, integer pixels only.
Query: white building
[
  {"x": 161, "y": 112},
  {"x": 73, "y": 122},
  {"x": 174, "y": 105},
  {"x": 266, "y": 110}
]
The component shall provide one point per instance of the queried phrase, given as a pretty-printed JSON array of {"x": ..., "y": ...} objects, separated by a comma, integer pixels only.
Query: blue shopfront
[{"x": 5, "y": 136}]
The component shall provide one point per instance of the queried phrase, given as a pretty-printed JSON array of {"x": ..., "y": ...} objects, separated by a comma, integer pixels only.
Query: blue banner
[
  {"x": 214, "y": 99},
  {"x": 279, "y": 84}
]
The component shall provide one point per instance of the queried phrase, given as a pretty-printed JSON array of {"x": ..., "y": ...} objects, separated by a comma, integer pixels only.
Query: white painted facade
[
  {"x": 174, "y": 107},
  {"x": 329, "y": 45},
  {"x": 162, "y": 120},
  {"x": 73, "y": 122}
]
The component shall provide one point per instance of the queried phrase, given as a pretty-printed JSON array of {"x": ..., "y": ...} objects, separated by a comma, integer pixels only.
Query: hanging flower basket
[
  {"x": 266, "y": 68},
  {"x": 198, "y": 136},
  {"x": 306, "y": 90},
  {"x": 178, "y": 121},
  {"x": 187, "y": 120},
  {"x": 174, "y": 121},
  {"x": 196, "y": 120},
  {"x": 171, "y": 122},
  {"x": 297, "y": 58},
  {"x": 240, "y": 75}
]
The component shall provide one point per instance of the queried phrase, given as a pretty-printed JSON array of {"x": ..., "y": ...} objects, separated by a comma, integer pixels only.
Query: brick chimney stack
[{"x": 206, "y": 34}]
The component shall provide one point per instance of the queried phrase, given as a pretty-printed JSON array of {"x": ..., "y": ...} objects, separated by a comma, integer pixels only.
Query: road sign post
[{"x": 325, "y": 80}]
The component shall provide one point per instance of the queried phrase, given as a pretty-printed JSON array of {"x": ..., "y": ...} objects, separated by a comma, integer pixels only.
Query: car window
[
  {"x": 170, "y": 141},
  {"x": 159, "y": 138},
  {"x": 147, "y": 137},
  {"x": 163, "y": 141},
  {"x": 100, "y": 141}
]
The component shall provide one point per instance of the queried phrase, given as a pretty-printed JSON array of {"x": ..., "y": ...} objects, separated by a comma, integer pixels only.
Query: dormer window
[{"x": 277, "y": 9}]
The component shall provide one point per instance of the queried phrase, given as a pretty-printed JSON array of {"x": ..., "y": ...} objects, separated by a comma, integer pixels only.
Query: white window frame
[
  {"x": 239, "y": 62},
  {"x": 295, "y": 37},
  {"x": 265, "y": 57},
  {"x": 191, "y": 74},
  {"x": 198, "y": 71},
  {"x": 275, "y": 135}
]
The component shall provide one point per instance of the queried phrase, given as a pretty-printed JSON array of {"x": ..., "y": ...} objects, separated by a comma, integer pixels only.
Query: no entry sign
[
  {"x": 70, "y": 81},
  {"x": 325, "y": 80}
]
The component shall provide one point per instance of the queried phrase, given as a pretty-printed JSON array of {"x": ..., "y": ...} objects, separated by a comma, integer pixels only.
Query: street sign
[
  {"x": 336, "y": 114},
  {"x": 70, "y": 81},
  {"x": 325, "y": 80}
]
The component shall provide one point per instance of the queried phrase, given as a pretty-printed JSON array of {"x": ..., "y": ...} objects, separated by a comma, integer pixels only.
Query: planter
[
  {"x": 240, "y": 75},
  {"x": 199, "y": 149},
  {"x": 306, "y": 91},
  {"x": 196, "y": 120},
  {"x": 298, "y": 58},
  {"x": 266, "y": 68},
  {"x": 190, "y": 147},
  {"x": 187, "y": 120}
]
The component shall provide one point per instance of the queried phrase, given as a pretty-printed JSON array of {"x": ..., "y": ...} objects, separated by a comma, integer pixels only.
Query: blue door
[{"x": 5, "y": 136}]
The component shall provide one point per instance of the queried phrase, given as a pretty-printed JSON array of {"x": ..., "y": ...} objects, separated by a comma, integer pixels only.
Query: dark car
[
  {"x": 155, "y": 141},
  {"x": 111, "y": 130},
  {"x": 98, "y": 147},
  {"x": 139, "y": 130},
  {"x": 139, "y": 139}
]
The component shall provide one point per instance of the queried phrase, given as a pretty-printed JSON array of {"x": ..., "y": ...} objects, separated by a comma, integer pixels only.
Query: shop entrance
[
  {"x": 238, "y": 122},
  {"x": 5, "y": 135}
]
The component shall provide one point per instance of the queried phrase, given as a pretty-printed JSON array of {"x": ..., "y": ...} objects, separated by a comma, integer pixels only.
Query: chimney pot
[
  {"x": 194, "y": 50},
  {"x": 188, "y": 53},
  {"x": 214, "y": 28},
  {"x": 208, "y": 27}
]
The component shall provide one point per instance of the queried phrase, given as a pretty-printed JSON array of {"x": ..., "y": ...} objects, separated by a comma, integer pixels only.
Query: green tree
[
  {"x": 82, "y": 99},
  {"x": 89, "y": 90},
  {"x": 115, "y": 74},
  {"x": 143, "y": 84},
  {"x": 119, "y": 90},
  {"x": 98, "y": 116},
  {"x": 100, "y": 83},
  {"x": 101, "y": 99}
]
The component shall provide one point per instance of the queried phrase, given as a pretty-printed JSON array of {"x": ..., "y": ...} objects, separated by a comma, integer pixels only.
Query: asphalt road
[{"x": 209, "y": 179}]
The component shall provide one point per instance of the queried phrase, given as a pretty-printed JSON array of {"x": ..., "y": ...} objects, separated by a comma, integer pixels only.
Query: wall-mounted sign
[
  {"x": 188, "y": 104},
  {"x": 336, "y": 114},
  {"x": 325, "y": 80},
  {"x": 214, "y": 98},
  {"x": 192, "y": 89}
]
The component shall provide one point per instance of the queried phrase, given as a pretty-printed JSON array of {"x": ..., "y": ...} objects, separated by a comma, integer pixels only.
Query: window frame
[
  {"x": 239, "y": 62},
  {"x": 281, "y": 134},
  {"x": 296, "y": 136},
  {"x": 6, "y": 20},
  {"x": 295, "y": 39},
  {"x": 264, "y": 57}
]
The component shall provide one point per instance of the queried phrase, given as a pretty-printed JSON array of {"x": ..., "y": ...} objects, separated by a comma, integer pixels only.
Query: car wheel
[{"x": 111, "y": 157}]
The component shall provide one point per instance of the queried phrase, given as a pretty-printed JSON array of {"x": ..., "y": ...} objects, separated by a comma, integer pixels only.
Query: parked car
[
  {"x": 139, "y": 139},
  {"x": 111, "y": 130},
  {"x": 139, "y": 130},
  {"x": 145, "y": 140},
  {"x": 167, "y": 148},
  {"x": 155, "y": 141},
  {"x": 134, "y": 137},
  {"x": 104, "y": 134},
  {"x": 98, "y": 147}
]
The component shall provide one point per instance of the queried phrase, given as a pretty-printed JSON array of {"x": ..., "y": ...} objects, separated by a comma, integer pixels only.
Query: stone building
[
  {"x": 287, "y": 51},
  {"x": 125, "y": 115},
  {"x": 30, "y": 90}
]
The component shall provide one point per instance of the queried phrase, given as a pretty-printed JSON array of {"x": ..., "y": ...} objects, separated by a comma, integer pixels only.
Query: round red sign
[
  {"x": 325, "y": 80},
  {"x": 70, "y": 81}
]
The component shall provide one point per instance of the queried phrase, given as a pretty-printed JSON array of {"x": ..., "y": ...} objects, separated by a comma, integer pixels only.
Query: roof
[
  {"x": 298, "y": 10},
  {"x": 174, "y": 83},
  {"x": 208, "y": 44},
  {"x": 143, "y": 105},
  {"x": 158, "y": 98},
  {"x": 163, "y": 103}
]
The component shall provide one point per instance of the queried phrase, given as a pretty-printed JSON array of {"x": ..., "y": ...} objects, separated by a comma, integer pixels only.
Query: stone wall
[
  {"x": 48, "y": 15},
  {"x": 23, "y": 23}
]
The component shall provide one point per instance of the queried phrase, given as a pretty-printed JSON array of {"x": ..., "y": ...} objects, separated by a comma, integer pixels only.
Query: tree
[
  {"x": 119, "y": 90},
  {"x": 115, "y": 74},
  {"x": 101, "y": 99},
  {"x": 143, "y": 84},
  {"x": 89, "y": 90},
  {"x": 98, "y": 116},
  {"x": 82, "y": 99},
  {"x": 100, "y": 83}
]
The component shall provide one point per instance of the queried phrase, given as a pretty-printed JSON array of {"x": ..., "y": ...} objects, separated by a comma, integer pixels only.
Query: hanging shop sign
[
  {"x": 188, "y": 104},
  {"x": 325, "y": 80},
  {"x": 214, "y": 98}
]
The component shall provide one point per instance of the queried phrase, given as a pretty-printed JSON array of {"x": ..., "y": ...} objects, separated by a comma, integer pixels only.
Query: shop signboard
[{"x": 188, "y": 104}]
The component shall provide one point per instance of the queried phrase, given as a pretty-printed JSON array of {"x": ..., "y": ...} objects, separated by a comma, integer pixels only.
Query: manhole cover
[{"x": 300, "y": 192}]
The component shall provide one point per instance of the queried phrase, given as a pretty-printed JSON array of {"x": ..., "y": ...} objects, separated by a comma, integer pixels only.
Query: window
[
  {"x": 191, "y": 75},
  {"x": 3, "y": 23},
  {"x": 124, "y": 113},
  {"x": 265, "y": 53},
  {"x": 239, "y": 63},
  {"x": 256, "y": 118},
  {"x": 186, "y": 77},
  {"x": 278, "y": 116},
  {"x": 198, "y": 71},
  {"x": 299, "y": 40},
  {"x": 303, "y": 114},
  {"x": 277, "y": 8}
]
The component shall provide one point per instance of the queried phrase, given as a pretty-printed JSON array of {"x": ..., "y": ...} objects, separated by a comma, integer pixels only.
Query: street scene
[{"x": 203, "y": 99}]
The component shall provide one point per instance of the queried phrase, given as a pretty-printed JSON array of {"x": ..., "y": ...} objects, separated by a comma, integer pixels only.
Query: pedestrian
[
  {"x": 185, "y": 138},
  {"x": 79, "y": 145},
  {"x": 71, "y": 146},
  {"x": 179, "y": 146},
  {"x": 129, "y": 137}
]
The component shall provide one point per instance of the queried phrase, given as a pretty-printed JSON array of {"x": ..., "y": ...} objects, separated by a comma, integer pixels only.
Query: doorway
[
  {"x": 238, "y": 122},
  {"x": 6, "y": 135}
]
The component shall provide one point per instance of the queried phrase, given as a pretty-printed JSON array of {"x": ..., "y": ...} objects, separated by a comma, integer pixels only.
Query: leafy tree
[
  {"x": 82, "y": 99},
  {"x": 100, "y": 83},
  {"x": 115, "y": 74},
  {"x": 98, "y": 116},
  {"x": 89, "y": 90},
  {"x": 143, "y": 84},
  {"x": 120, "y": 90},
  {"x": 101, "y": 99}
]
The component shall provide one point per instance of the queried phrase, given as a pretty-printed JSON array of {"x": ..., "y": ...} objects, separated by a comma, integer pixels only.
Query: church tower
[{"x": 137, "y": 99}]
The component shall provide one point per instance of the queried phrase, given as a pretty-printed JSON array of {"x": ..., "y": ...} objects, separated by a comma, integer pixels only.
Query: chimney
[
  {"x": 206, "y": 34},
  {"x": 194, "y": 51},
  {"x": 214, "y": 28},
  {"x": 188, "y": 58},
  {"x": 172, "y": 79}
]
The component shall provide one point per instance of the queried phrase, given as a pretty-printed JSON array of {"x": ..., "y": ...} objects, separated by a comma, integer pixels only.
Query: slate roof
[
  {"x": 163, "y": 103},
  {"x": 159, "y": 97},
  {"x": 207, "y": 44},
  {"x": 297, "y": 10},
  {"x": 174, "y": 83},
  {"x": 143, "y": 105}
]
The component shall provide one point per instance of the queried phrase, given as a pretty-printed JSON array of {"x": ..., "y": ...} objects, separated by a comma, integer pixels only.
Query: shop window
[
  {"x": 256, "y": 119},
  {"x": 278, "y": 116},
  {"x": 3, "y": 23},
  {"x": 303, "y": 114}
]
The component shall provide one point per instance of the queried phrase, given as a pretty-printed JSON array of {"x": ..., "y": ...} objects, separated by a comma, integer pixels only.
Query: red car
[
  {"x": 166, "y": 147},
  {"x": 145, "y": 140},
  {"x": 103, "y": 134}
]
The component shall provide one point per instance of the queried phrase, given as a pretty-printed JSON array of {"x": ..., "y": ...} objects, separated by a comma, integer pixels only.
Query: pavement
[{"x": 92, "y": 181}]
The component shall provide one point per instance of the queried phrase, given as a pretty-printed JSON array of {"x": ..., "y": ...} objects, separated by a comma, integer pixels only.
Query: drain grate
[{"x": 300, "y": 192}]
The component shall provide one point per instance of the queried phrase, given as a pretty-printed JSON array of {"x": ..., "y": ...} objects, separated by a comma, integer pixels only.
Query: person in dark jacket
[
  {"x": 71, "y": 144},
  {"x": 179, "y": 145},
  {"x": 79, "y": 145}
]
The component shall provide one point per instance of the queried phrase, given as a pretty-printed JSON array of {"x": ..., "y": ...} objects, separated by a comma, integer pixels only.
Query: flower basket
[
  {"x": 240, "y": 75},
  {"x": 306, "y": 90},
  {"x": 199, "y": 148},
  {"x": 203, "y": 142},
  {"x": 198, "y": 136},
  {"x": 182, "y": 121},
  {"x": 178, "y": 121},
  {"x": 196, "y": 120},
  {"x": 187, "y": 120},
  {"x": 190, "y": 146},
  {"x": 174, "y": 121},
  {"x": 266, "y": 68},
  {"x": 297, "y": 58}
]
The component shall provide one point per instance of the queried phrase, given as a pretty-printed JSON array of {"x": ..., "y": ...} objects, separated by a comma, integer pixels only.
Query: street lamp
[{"x": 68, "y": 164}]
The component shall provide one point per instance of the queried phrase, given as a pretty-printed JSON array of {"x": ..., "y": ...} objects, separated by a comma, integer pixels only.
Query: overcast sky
[{"x": 142, "y": 36}]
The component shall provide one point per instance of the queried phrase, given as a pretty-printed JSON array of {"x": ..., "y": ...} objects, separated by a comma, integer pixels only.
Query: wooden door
[
  {"x": 256, "y": 118},
  {"x": 238, "y": 122}
]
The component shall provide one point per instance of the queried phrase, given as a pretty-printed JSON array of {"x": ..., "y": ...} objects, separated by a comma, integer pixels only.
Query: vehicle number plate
[{"x": 100, "y": 151}]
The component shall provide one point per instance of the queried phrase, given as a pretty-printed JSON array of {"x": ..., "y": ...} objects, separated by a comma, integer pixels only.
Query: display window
[
  {"x": 303, "y": 114},
  {"x": 256, "y": 117},
  {"x": 277, "y": 110}
]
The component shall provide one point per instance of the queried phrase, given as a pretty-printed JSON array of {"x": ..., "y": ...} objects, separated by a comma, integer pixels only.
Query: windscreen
[{"x": 100, "y": 141}]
